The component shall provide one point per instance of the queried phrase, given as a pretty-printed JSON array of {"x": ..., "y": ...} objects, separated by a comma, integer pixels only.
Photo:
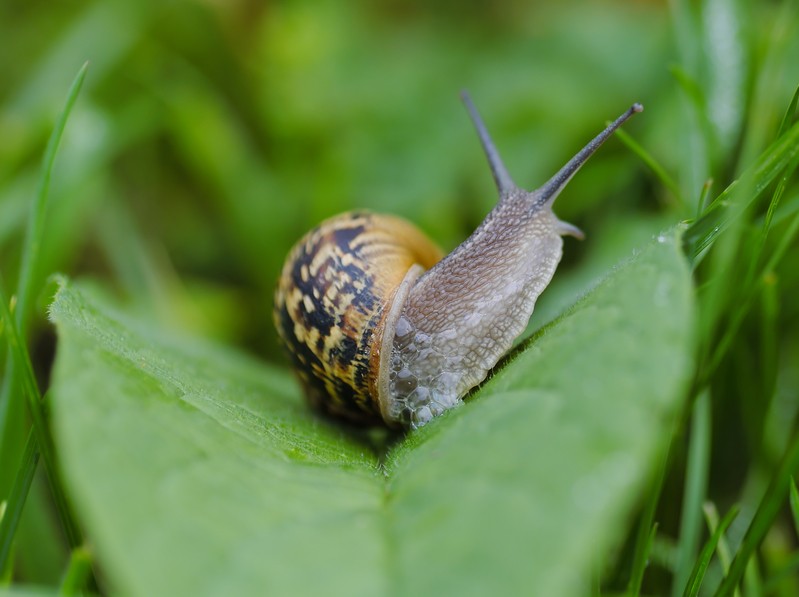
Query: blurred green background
[{"x": 209, "y": 136}]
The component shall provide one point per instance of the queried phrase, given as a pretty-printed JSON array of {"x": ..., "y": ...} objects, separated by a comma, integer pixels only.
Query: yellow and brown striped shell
[{"x": 333, "y": 300}]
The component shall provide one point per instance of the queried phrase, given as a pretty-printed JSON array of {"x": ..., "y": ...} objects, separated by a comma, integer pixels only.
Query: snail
[{"x": 381, "y": 327}]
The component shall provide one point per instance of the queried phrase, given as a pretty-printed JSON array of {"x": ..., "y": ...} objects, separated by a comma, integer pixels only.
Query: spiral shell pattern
[{"x": 331, "y": 304}]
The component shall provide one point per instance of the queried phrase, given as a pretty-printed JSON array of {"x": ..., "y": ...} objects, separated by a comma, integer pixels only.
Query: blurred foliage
[{"x": 210, "y": 135}]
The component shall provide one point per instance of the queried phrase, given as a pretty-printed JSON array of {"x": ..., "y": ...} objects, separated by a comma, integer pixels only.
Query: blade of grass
[
  {"x": 641, "y": 562},
  {"x": 31, "y": 245},
  {"x": 789, "y": 114},
  {"x": 703, "y": 195},
  {"x": 686, "y": 29},
  {"x": 35, "y": 229},
  {"x": 795, "y": 504},
  {"x": 696, "y": 132},
  {"x": 698, "y": 573},
  {"x": 657, "y": 169},
  {"x": 16, "y": 499},
  {"x": 757, "y": 253},
  {"x": 753, "y": 284},
  {"x": 766, "y": 80},
  {"x": 77, "y": 573},
  {"x": 768, "y": 311},
  {"x": 785, "y": 243},
  {"x": 696, "y": 476},
  {"x": 693, "y": 90},
  {"x": 781, "y": 156},
  {"x": 788, "y": 209},
  {"x": 12, "y": 423},
  {"x": 726, "y": 52},
  {"x": 753, "y": 581},
  {"x": 723, "y": 548},
  {"x": 647, "y": 530},
  {"x": 20, "y": 359},
  {"x": 767, "y": 511},
  {"x": 767, "y": 221}
]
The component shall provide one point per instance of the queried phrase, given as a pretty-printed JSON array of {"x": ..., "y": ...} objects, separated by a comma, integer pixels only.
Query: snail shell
[{"x": 381, "y": 327}]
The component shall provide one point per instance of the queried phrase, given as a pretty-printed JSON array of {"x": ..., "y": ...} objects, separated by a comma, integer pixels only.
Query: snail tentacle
[
  {"x": 502, "y": 178},
  {"x": 552, "y": 188}
]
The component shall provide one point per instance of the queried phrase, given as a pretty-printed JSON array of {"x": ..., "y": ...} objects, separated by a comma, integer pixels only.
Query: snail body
[{"x": 380, "y": 326}]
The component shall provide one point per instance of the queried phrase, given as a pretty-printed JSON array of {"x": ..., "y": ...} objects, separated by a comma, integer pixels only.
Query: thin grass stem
[
  {"x": 767, "y": 511},
  {"x": 700, "y": 568},
  {"x": 41, "y": 433},
  {"x": 16, "y": 499},
  {"x": 723, "y": 548},
  {"x": 18, "y": 370},
  {"x": 657, "y": 169},
  {"x": 647, "y": 530},
  {"x": 787, "y": 119},
  {"x": 696, "y": 476}
]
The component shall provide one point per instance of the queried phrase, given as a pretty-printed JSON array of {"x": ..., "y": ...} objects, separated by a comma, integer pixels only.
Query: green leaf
[
  {"x": 199, "y": 471},
  {"x": 202, "y": 472}
]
